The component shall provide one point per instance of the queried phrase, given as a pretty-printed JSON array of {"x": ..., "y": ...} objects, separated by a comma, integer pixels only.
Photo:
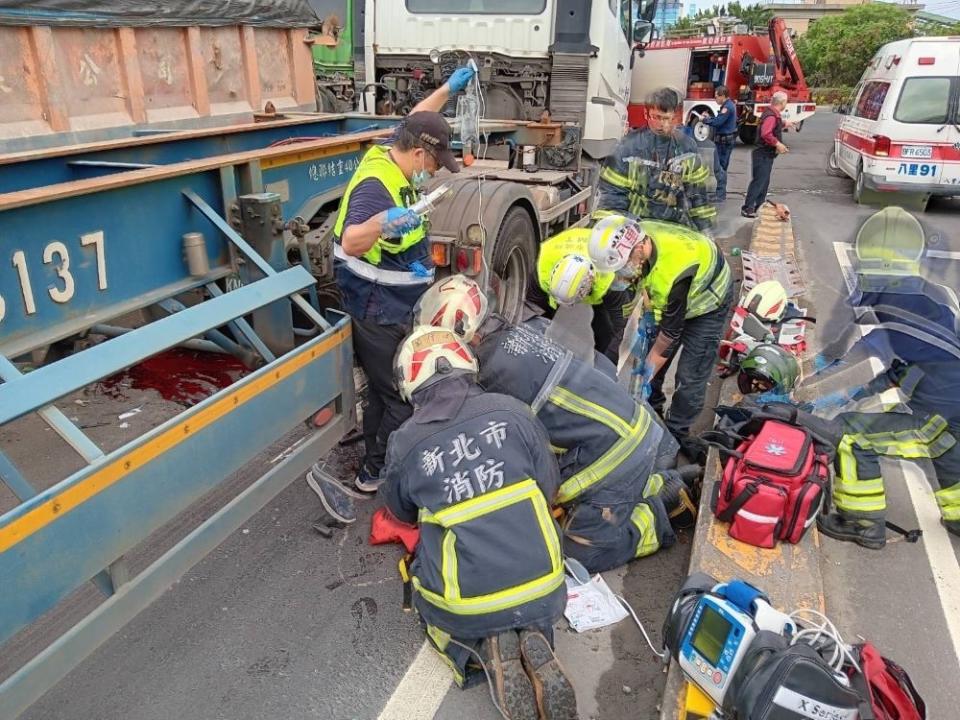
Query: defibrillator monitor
[{"x": 716, "y": 641}]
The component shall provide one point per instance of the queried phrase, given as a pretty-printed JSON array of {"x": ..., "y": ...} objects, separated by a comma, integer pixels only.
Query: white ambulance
[{"x": 902, "y": 132}]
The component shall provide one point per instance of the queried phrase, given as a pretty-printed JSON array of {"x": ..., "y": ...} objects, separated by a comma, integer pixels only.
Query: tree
[
  {"x": 753, "y": 16},
  {"x": 836, "y": 50}
]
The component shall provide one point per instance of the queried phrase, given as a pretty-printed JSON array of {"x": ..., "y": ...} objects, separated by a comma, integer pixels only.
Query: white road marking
[
  {"x": 936, "y": 541},
  {"x": 421, "y": 690}
]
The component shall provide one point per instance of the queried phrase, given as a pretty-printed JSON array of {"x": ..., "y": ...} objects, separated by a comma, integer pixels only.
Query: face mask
[{"x": 420, "y": 177}]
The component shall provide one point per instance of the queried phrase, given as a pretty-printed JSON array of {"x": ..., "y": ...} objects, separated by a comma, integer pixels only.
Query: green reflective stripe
[
  {"x": 557, "y": 450},
  {"x": 448, "y": 562},
  {"x": 703, "y": 211},
  {"x": 948, "y": 500},
  {"x": 697, "y": 175},
  {"x": 926, "y": 433},
  {"x": 642, "y": 517},
  {"x": 860, "y": 504},
  {"x": 606, "y": 463},
  {"x": 615, "y": 178},
  {"x": 654, "y": 485},
  {"x": 486, "y": 503},
  {"x": 856, "y": 486},
  {"x": 440, "y": 638},
  {"x": 503, "y": 600},
  {"x": 574, "y": 403}
]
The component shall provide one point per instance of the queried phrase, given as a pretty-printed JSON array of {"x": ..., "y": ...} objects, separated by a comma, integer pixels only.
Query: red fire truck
[{"x": 752, "y": 67}]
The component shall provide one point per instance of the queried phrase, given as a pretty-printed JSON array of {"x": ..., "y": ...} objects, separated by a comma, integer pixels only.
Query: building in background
[
  {"x": 798, "y": 14},
  {"x": 668, "y": 12}
]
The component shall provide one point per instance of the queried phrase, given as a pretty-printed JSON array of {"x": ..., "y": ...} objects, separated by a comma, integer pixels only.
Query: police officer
[
  {"x": 724, "y": 125},
  {"x": 475, "y": 471},
  {"x": 617, "y": 491},
  {"x": 690, "y": 291},
  {"x": 657, "y": 172},
  {"x": 383, "y": 262},
  {"x": 913, "y": 333},
  {"x": 594, "y": 265}
]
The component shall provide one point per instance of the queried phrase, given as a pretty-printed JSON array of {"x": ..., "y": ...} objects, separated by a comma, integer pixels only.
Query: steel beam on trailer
[{"x": 47, "y": 384}]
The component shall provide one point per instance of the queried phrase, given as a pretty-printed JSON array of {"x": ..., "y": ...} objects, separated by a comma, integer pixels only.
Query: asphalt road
[{"x": 281, "y": 622}]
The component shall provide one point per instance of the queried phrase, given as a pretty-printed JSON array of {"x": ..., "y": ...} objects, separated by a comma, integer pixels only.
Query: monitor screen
[{"x": 711, "y": 635}]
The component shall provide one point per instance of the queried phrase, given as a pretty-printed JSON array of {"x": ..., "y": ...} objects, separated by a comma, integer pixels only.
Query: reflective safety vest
[
  {"x": 377, "y": 164},
  {"x": 604, "y": 439},
  {"x": 490, "y": 556},
  {"x": 570, "y": 242},
  {"x": 384, "y": 277},
  {"x": 677, "y": 250}
]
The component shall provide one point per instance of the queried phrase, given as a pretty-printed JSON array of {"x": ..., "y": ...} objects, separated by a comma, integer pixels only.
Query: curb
[{"x": 789, "y": 574}]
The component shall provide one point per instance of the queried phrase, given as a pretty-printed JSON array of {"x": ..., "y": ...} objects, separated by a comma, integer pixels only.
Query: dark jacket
[
  {"x": 662, "y": 178},
  {"x": 474, "y": 469}
]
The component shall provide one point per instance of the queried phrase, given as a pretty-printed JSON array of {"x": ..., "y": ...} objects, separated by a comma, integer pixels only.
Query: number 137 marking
[{"x": 57, "y": 255}]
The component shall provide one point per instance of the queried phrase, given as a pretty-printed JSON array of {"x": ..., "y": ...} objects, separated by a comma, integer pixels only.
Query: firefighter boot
[
  {"x": 511, "y": 686},
  {"x": 863, "y": 531},
  {"x": 554, "y": 693},
  {"x": 678, "y": 496}
]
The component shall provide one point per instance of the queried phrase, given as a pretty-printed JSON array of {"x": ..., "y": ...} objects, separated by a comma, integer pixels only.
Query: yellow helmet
[
  {"x": 427, "y": 355},
  {"x": 890, "y": 242},
  {"x": 456, "y": 303},
  {"x": 571, "y": 279},
  {"x": 612, "y": 240},
  {"x": 767, "y": 300}
]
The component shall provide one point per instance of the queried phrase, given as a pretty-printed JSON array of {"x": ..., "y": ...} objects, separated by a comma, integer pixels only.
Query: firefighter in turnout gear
[
  {"x": 914, "y": 333},
  {"x": 657, "y": 172},
  {"x": 597, "y": 265},
  {"x": 382, "y": 264},
  {"x": 690, "y": 291},
  {"x": 617, "y": 490},
  {"x": 474, "y": 470}
]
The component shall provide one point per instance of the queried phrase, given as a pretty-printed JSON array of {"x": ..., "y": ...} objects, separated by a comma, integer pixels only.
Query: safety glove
[{"x": 399, "y": 220}]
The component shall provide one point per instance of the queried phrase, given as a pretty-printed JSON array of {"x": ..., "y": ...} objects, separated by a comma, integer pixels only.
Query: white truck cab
[
  {"x": 569, "y": 57},
  {"x": 901, "y": 134}
]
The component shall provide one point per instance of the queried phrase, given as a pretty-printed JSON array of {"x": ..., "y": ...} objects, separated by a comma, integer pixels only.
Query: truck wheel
[
  {"x": 514, "y": 255},
  {"x": 748, "y": 134}
]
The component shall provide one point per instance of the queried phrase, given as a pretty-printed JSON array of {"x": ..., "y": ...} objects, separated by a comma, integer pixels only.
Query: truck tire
[
  {"x": 748, "y": 134},
  {"x": 514, "y": 257}
]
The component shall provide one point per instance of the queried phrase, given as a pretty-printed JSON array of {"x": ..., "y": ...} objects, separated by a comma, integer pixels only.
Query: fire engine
[{"x": 752, "y": 66}]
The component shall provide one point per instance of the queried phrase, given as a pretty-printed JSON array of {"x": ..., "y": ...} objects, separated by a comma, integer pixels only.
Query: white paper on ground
[{"x": 592, "y": 605}]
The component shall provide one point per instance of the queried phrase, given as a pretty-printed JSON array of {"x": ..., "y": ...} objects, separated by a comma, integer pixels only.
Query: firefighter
[
  {"x": 724, "y": 125},
  {"x": 595, "y": 265},
  {"x": 475, "y": 471},
  {"x": 913, "y": 334},
  {"x": 657, "y": 172},
  {"x": 383, "y": 262},
  {"x": 690, "y": 291},
  {"x": 618, "y": 490}
]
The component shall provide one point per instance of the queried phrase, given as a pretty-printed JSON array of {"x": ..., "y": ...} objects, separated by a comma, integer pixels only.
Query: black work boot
[
  {"x": 678, "y": 496},
  {"x": 863, "y": 531},
  {"x": 511, "y": 686},
  {"x": 554, "y": 693}
]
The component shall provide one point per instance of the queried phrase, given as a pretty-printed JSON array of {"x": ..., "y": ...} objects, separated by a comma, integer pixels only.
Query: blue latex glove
[
  {"x": 460, "y": 79},
  {"x": 646, "y": 376},
  {"x": 399, "y": 220},
  {"x": 648, "y": 323},
  {"x": 419, "y": 269},
  {"x": 831, "y": 401}
]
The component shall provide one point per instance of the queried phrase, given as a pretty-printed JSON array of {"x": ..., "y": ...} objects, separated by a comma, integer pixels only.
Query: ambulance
[{"x": 901, "y": 134}]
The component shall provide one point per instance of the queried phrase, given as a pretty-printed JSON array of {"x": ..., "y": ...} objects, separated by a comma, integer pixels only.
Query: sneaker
[
  {"x": 748, "y": 213},
  {"x": 320, "y": 468},
  {"x": 864, "y": 532},
  {"x": 511, "y": 686},
  {"x": 367, "y": 482},
  {"x": 555, "y": 697},
  {"x": 333, "y": 496}
]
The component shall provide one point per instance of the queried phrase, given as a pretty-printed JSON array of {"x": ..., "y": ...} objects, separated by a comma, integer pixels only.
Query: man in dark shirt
[
  {"x": 383, "y": 258},
  {"x": 770, "y": 145},
  {"x": 724, "y": 126}
]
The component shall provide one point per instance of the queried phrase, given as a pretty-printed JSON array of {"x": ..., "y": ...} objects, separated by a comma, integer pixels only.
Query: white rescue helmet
[
  {"x": 571, "y": 279},
  {"x": 612, "y": 240},
  {"x": 429, "y": 354},
  {"x": 456, "y": 303},
  {"x": 767, "y": 300}
]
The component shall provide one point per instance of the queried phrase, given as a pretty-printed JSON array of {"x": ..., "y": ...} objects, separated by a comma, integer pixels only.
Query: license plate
[{"x": 917, "y": 151}]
